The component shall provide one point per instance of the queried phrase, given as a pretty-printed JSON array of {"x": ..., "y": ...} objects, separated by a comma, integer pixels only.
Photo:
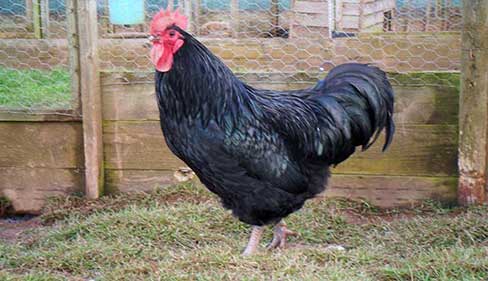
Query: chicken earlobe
[{"x": 252, "y": 246}]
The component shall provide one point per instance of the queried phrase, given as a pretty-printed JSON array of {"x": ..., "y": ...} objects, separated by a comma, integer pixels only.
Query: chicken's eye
[{"x": 172, "y": 33}]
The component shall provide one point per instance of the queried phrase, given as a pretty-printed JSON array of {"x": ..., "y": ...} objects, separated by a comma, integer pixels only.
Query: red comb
[{"x": 166, "y": 18}]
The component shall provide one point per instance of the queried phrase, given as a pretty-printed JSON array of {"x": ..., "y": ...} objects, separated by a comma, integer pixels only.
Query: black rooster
[{"x": 264, "y": 153}]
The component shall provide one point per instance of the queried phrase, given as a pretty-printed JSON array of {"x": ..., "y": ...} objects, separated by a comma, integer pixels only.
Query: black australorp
[{"x": 265, "y": 152}]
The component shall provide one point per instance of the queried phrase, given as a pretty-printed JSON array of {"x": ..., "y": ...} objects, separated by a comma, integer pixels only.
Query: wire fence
[
  {"x": 34, "y": 64},
  {"x": 292, "y": 39}
]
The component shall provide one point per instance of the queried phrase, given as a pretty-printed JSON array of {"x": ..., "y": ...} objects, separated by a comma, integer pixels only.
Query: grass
[
  {"x": 35, "y": 89},
  {"x": 182, "y": 233}
]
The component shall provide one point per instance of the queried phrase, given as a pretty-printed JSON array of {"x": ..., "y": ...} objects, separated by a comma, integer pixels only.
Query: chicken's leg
[
  {"x": 279, "y": 236},
  {"x": 256, "y": 233}
]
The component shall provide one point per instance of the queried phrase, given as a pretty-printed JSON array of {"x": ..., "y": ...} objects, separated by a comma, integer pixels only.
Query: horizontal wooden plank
[
  {"x": 414, "y": 105},
  {"x": 349, "y": 22},
  {"x": 350, "y": 9},
  {"x": 372, "y": 20},
  {"x": 426, "y": 105},
  {"x": 130, "y": 102},
  {"x": 41, "y": 144},
  {"x": 428, "y": 150},
  {"x": 417, "y": 79},
  {"x": 314, "y": 20},
  {"x": 39, "y": 116},
  {"x": 378, "y": 7},
  {"x": 310, "y": 7},
  {"x": 137, "y": 180},
  {"x": 28, "y": 189},
  {"x": 382, "y": 191},
  {"x": 387, "y": 192},
  {"x": 137, "y": 145}
]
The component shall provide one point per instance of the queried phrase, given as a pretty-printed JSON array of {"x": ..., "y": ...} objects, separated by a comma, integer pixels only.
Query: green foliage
[{"x": 35, "y": 89}]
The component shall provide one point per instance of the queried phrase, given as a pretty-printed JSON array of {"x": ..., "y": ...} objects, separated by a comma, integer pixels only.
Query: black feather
[{"x": 264, "y": 153}]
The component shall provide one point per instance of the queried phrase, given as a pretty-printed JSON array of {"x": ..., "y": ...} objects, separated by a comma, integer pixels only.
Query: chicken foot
[{"x": 279, "y": 236}]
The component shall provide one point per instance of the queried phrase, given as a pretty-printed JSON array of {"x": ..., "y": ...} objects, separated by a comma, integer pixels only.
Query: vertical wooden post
[
  {"x": 196, "y": 16},
  {"x": 428, "y": 10},
  {"x": 275, "y": 17},
  {"x": 447, "y": 15},
  {"x": 408, "y": 11},
  {"x": 331, "y": 17},
  {"x": 90, "y": 96},
  {"x": 28, "y": 11},
  {"x": 36, "y": 18},
  {"x": 44, "y": 5},
  {"x": 107, "y": 27},
  {"x": 473, "y": 118},
  {"x": 74, "y": 54},
  {"x": 234, "y": 17},
  {"x": 188, "y": 13}
]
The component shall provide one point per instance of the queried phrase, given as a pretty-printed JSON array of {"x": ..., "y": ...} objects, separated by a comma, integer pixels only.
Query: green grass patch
[
  {"x": 35, "y": 89},
  {"x": 182, "y": 233}
]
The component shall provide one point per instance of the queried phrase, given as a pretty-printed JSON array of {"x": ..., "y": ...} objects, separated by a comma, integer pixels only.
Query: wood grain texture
[
  {"x": 381, "y": 191},
  {"x": 413, "y": 105},
  {"x": 41, "y": 145},
  {"x": 313, "y": 20},
  {"x": 473, "y": 117},
  {"x": 417, "y": 150},
  {"x": 378, "y": 7},
  {"x": 138, "y": 146},
  {"x": 310, "y": 7},
  {"x": 137, "y": 180},
  {"x": 40, "y": 116},
  {"x": 393, "y": 191},
  {"x": 426, "y": 150},
  {"x": 91, "y": 98},
  {"x": 29, "y": 188}
]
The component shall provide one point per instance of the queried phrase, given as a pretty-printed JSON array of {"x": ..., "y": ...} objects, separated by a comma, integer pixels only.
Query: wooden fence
[{"x": 117, "y": 144}]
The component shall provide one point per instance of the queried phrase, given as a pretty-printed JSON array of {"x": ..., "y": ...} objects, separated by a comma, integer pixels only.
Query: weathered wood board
[
  {"x": 137, "y": 180},
  {"x": 420, "y": 164},
  {"x": 391, "y": 191},
  {"x": 131, "y": 97},
  {"x": 39, "y": 160},
  {"x": 41, "y": 145},
  {"x": 29, "y": 188},
  {"x": 43, "y": 157},
  {"x": 427, "y": 150},
  {"x": 382, "y": 191}
]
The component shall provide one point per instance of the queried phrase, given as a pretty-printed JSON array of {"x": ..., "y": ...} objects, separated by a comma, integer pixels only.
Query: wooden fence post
[
  {"x": 234, "y": 17},
  {"x": 44, "y": 5},
  {"x": 473, "y": 115},
  {"x": 29, "y": 13},
  {"x": 36, "y": 19},
  {"x": 74, "y": 54},
  {"x": 90, "y": 91}
]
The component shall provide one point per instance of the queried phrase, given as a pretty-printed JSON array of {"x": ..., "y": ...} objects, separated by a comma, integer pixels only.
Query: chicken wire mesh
[
  {"x": 34, "y": 64},
  {"x": 291, "y": 41},
  {"x": 294, "y": 40}
]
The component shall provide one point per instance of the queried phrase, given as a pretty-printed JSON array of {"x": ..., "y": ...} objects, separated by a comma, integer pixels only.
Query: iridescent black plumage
[{"x": 265, "y": 152}]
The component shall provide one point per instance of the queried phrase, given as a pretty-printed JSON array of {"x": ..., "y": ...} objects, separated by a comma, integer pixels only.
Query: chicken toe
[{"x": 279, "y": 236}]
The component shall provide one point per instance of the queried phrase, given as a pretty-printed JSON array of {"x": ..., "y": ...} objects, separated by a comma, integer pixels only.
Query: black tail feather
[{"x": 366, "y": 94}]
